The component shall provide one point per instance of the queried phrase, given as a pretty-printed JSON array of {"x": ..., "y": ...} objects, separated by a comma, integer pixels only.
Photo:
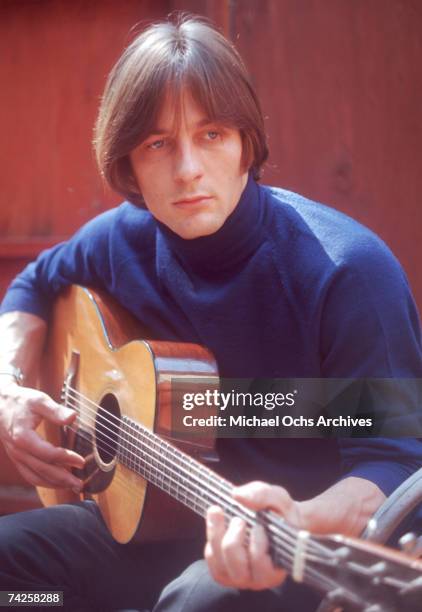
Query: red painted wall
[
  {"x": 55, "y": 56},
  {"x": 341, "y": 85}
]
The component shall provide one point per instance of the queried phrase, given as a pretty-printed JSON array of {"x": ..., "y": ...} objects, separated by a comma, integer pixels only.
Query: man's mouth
[{"x": 192, "y": 200}]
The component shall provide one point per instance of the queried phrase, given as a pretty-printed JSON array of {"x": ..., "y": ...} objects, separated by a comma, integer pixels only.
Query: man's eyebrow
[
  {"x": 206, "y": 121},
  {"x": 157, "y": 131}
]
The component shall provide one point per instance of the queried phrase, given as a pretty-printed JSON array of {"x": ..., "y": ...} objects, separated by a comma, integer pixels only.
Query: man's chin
[{"x": 197, "y": 228}]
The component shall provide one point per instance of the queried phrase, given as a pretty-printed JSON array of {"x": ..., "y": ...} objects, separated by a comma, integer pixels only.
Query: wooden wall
[
  {"x": 55, "y": 56},
  {"x": 340, "y": 84}
]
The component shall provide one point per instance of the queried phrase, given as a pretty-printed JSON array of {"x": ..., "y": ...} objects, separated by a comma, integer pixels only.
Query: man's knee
[
  {"x": 196, "y": 591},
  {"x": 193, "y": 591},
  {"x": 35, "y": 545}
]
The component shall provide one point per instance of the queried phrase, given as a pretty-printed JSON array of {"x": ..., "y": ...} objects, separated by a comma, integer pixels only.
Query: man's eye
[
  {"x": 212, "y": 134},
  {"x": 156, "y": 144}
]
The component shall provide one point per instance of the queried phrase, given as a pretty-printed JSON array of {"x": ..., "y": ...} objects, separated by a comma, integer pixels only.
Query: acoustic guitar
[{"x": 121, "y": 387}]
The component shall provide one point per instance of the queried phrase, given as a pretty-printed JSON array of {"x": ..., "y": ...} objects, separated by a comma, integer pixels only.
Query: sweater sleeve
[
  {"x": 83, "y": 259},
  {"x": 370, "y": 330}
]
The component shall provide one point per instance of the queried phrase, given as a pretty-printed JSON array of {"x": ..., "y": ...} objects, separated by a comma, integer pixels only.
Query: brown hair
[{"x": 167, "y": 56}]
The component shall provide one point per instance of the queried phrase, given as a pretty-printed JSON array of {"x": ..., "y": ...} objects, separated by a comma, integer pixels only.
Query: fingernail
[
  {"x": 213, "y": 513},
  {"x": 237, "y": 522},
  {"x": 76, "y": 490}
]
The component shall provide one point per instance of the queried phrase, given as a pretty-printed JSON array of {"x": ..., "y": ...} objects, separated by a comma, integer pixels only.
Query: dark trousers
[{"x": 68, "y": 548}]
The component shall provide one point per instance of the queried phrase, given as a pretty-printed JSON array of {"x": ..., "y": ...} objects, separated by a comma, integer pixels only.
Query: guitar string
[
  {"x": 204, "y": 471},
  {"x": 178, "y": 483},
  {"x": 208, "y": 474},
  {"x": 311, "y": 572},
  {"x": 141, "y": 429},
  {"x": 199, "y": 468},
  {"x": 318, "y": 548},
  {"x": 171, "y": 468},
  {"x": 314, "y": 576}
]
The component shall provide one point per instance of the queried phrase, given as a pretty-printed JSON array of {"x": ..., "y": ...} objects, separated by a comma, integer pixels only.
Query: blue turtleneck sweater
[{"x": 285, "y": 288}]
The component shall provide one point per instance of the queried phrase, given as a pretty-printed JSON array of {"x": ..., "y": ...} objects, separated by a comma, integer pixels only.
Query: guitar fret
[
  {"x": 173, "y": 471},
  {"x": 138, "y": 458},
  {"x": 129, "y": 454},
  {"x": 178, "y": 490},
  {"x": 135, "y": 460},
  {"x": 171, "y": 481},
  {"x": 160, "y": 476},
  {"x": 155, "y": 472},
  {"x": 120, "y": 445},
  {"x": 149, "y": 469},
  {"x": 158, "y": 452}
]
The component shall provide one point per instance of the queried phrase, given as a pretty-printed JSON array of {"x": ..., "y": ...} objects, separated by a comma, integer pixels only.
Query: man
[{"x": 273, "y": 284}]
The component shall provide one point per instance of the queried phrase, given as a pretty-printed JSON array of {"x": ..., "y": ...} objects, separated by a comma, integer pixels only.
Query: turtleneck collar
[{"x": 238, "y": 237}]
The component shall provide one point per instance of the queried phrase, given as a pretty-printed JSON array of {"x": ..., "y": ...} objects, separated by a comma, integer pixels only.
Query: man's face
[{"x": 190, "y": 176}]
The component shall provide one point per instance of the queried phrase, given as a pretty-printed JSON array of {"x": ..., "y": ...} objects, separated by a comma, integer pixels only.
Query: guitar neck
[
  {"x": 196, "y": 486},
  {"x": 320, "y": 561}
]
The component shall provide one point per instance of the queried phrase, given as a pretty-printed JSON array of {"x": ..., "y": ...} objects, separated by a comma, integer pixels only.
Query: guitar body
[{"x": 94, "y": 347}]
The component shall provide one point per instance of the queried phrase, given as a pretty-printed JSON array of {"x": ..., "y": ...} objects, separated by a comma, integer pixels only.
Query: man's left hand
[
  {"x": 231, "y": 559},
  {"x": 237, "y": 562}
]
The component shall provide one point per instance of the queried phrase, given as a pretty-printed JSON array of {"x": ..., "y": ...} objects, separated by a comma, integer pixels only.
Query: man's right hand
[{"x": 40, "y": 462}]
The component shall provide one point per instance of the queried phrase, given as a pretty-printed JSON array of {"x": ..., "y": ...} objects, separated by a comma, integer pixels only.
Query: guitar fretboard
[{"x": 194, "y": 485}]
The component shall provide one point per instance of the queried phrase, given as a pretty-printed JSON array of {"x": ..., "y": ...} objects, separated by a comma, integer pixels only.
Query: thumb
[
  {"x": 259, "y": 495},
  {"x": 264, "y": 496}
]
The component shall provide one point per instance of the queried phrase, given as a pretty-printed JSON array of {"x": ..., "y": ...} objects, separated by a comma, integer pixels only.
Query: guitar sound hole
[{"x": 107, "y": 423}]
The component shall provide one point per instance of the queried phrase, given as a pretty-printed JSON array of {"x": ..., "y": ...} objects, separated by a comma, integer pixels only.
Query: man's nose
[{"x": 188, "y": 164}]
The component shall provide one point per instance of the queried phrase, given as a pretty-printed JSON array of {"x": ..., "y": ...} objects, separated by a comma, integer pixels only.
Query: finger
[
  {"x": 264, "y": 574},
  {"x": 48, "y": 409},
  {"x": 31, "y": 442},
  {"x": 219, "y": 576},
  {"x": 235, "y": 553},
  {"x": 261, "y": 495},
  {"x": 216, "y": 529},
  {"x": 32, "y": 478},
  {"x": 57, "y": 477}
]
